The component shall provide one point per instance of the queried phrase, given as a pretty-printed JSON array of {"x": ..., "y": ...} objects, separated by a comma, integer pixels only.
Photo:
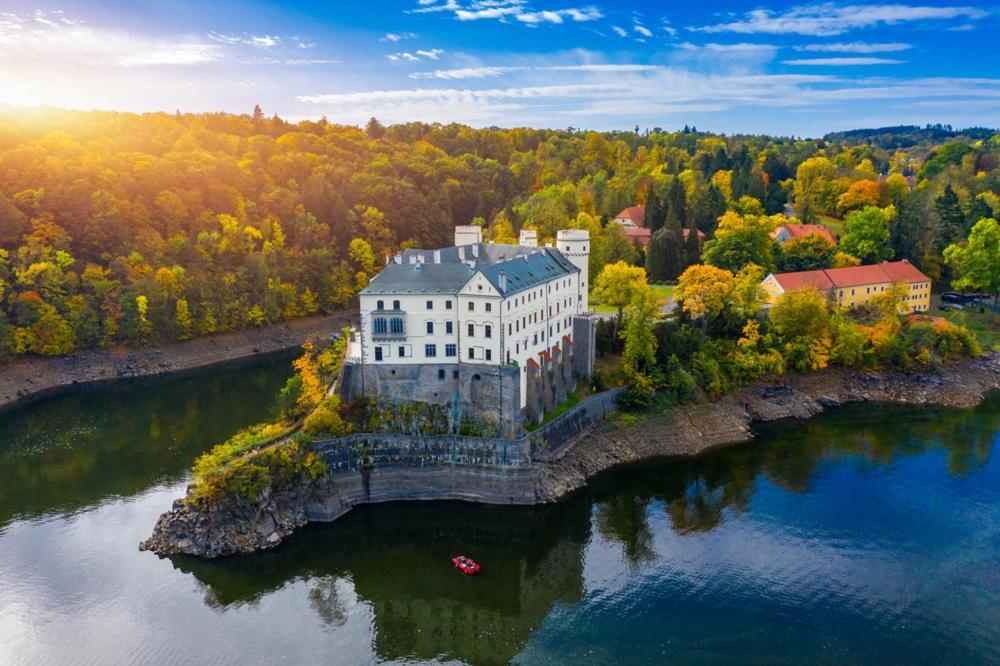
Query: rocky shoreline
[
  {"x": 229, "y": 528},
  {"x": 32, "y": 378}
]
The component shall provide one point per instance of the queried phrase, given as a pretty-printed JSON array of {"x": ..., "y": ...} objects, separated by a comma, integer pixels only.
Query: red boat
[{"x": 466, "y": 565}]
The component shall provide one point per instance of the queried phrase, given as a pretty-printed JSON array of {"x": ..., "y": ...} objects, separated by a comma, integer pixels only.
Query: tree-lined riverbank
[
  {"x": 229, "y": 527},
  {"x": 30, "y": 378}
]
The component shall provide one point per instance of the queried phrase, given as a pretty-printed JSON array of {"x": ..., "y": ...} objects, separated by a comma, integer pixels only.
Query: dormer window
[
  {"x": 380, "y": 305},
  {"x": 395, "y": 305}
]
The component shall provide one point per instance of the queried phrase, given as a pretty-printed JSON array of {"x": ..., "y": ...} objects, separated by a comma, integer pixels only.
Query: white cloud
[
  {"x": 487, "y": 72},
  {"x": 838, "y": 62},
  {"x": 502, "y": 10},
  {"x": 642, "y": 30},
  {"x": 620, "y": 31},
  {"x": 855, "y": 47},
  {"x": 829, "y": 19},
  {"x": 173, "y": 54},
  {"x": 416, "y": 56},
  {"x": 397, "y": 36}
]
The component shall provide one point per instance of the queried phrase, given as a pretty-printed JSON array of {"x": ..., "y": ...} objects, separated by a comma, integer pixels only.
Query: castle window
[
  {"x": 430, "y": 351},
  {"x": 489, "y": 331},
  {"x": 395, "y": 305},
  {"x": 489, "y": 307},
  {"x": 396, "y": 324},
  {"x": 448, "y": 327},
  {"x": 472, "y": 352},
  {"x": 489, "y": 354},
  {"x": 450, "y": 350},
  {"x": 430, "y": 328},
  {"x": 402, "y": 351},
  {"x": 381, "y": 305},
  {"x": 378, "y": 353},
  {"x": 441, "y": 373},
  {"x": 472, "y": 306},
  {"x": 430, "y": 305},
  {"x": 472, "y": 330},
  {"x": 379, "y": 325},
  {"x": 447, "y": 305}
]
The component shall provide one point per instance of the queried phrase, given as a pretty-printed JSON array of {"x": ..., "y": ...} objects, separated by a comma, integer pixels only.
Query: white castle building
[{"x": 472, "y": 326}]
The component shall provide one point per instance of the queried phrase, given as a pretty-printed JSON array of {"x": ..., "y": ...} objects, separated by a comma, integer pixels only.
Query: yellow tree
[{"x": 618, "y": 284}]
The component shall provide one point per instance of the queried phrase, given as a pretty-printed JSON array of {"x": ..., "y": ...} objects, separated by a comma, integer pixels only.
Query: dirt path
[{"x": 30, "y": 378}]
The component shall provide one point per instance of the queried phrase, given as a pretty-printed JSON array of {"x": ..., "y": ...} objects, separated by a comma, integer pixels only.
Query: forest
[{"x": 120, "y": 228}]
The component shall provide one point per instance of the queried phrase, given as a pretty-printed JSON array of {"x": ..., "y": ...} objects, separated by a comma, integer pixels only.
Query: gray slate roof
[{"x": 525, "y": 267}]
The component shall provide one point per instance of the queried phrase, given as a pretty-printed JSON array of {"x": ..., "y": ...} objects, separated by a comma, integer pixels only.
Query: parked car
[
  {"x": 947, "y": 307},
  {"x": 951, "y": 297}
]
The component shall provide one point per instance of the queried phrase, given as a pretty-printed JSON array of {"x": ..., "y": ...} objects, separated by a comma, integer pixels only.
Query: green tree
[
  {"x": 949, "y": 210},
  {"x": 977, "y": 261},
  {"x": 742, "y": 240},
  {"x": 806, "y": 253},
  {"x": 866, "y": 235}
]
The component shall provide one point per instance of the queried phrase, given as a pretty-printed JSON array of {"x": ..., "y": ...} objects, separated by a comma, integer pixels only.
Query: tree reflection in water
[{"x": 394, "y": 559}]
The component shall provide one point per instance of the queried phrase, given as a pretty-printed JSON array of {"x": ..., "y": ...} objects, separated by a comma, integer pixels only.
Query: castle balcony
[{"x": 388, "y": 325}]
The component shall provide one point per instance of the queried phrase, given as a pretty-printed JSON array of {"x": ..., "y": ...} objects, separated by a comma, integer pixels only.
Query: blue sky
[{"x": 781, "y": 67}]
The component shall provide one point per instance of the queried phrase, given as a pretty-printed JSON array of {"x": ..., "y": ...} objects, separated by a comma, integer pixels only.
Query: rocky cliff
[{"x": 234, "y": 527}]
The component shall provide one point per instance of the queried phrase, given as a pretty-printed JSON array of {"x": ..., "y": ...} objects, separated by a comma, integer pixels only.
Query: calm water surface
[{"x": 868, "y": 535}]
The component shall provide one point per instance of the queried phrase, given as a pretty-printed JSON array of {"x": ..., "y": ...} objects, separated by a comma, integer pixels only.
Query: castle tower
[{"x": 575, "y": 246}]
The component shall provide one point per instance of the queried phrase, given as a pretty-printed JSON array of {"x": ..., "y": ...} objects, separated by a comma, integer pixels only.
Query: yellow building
[{"x": 856, "y": 285}]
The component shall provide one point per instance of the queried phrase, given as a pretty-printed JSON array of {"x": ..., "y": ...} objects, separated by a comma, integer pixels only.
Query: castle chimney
[
  {"x": 475, "y": 251},
  {"x": 437, "y": 256},
  {"x": 502, "y": 279},
  {"x": 468, "y": 235},
  {"x": 461, "y": 253}
]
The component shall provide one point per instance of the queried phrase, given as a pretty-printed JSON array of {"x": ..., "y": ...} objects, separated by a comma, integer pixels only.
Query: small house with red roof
[{"x": 632, "y": 216}]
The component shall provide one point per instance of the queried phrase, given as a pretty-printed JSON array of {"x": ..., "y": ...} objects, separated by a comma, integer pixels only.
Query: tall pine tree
[
  {"x": 949, "y": 210},
  {"x": 692, "y": 247},
  {"x": 677, "y": 201},
  {"x": 674, "y": 258}
]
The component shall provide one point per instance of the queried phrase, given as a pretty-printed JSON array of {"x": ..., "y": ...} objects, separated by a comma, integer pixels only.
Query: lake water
[{"x": 868, "y": 535}]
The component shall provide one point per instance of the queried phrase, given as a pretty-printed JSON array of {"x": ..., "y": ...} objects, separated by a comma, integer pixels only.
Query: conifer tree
[
  {"x": 677, "y": 201},
  {"x": 692, "y": 248}
]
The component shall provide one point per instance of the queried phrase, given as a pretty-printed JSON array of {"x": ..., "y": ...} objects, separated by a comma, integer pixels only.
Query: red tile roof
[
  {"x": 639, "y": 235},
  {"x": 634, "y": 213},
  {"x": 817, "y": 279},
  {"x": 545, "y": 355},
  {"x": 567, "y": 340},
  {"x": 532, "y": 363},
  {"x": 903, "y": 271},
  {"x": 853, "y": 276},
  {"x": 802, "y": 230}
]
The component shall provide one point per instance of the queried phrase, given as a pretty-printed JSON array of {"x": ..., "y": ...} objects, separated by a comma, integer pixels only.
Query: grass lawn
[
  {"x": 985, "y": 326},
  {"x": 833, "y": 224},
  {"x": 664, "y": 291}
]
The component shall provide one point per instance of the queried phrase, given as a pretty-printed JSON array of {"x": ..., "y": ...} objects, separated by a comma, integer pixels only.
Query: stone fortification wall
[{"x": 468, "y": 390}]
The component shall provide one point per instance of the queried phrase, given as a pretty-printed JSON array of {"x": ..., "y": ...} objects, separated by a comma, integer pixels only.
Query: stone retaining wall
[{"x": 379, "y": 450}]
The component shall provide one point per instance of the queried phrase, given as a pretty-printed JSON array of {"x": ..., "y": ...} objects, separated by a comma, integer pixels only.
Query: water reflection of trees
[
  {"x": 393, "y": 560},
  {"x": 71, "y": 452},
  {"x": 697, "y": 493},
  {"x": 396, "y": 560}
]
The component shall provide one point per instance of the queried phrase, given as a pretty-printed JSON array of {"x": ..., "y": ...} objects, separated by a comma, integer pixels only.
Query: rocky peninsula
[
  {"x": 30, "y": 378},
  {"x": 232, "y": 526}
]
